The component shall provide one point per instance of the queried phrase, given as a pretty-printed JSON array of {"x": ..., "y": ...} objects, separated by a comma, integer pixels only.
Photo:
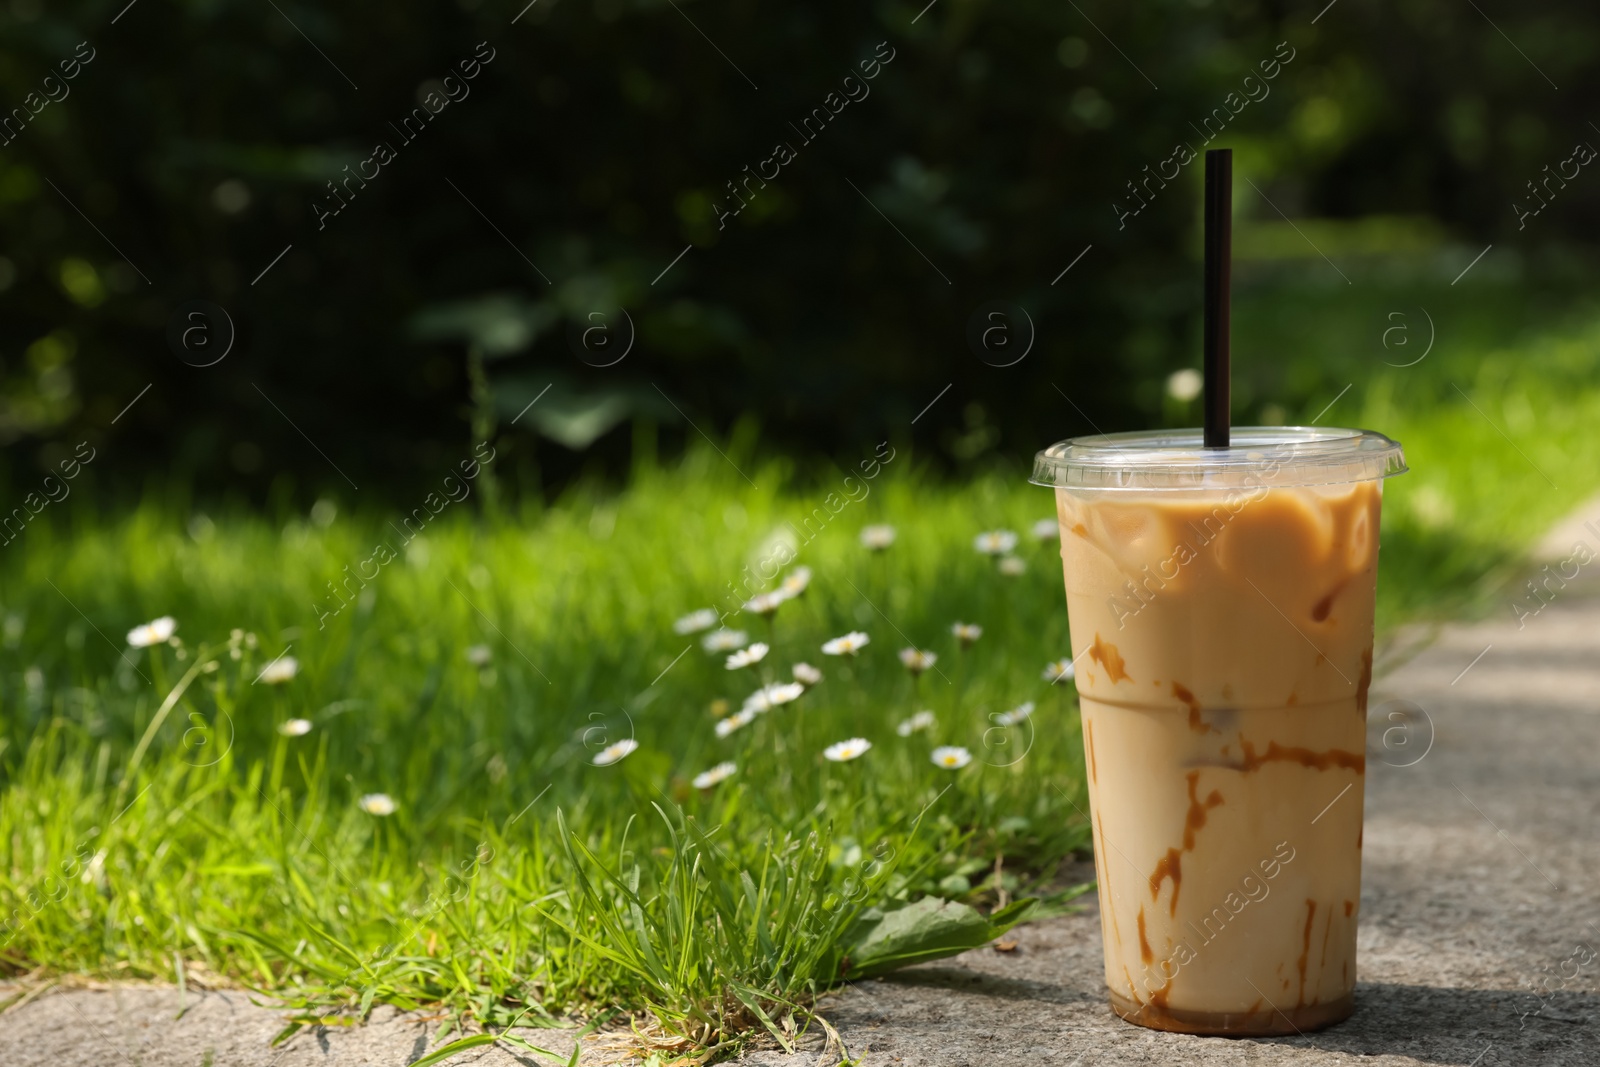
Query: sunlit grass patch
[{"x": 494, "y": 780}]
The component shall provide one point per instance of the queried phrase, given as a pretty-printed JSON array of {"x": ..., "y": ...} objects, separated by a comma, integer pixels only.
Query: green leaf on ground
[{"x": 929, "y": 929}]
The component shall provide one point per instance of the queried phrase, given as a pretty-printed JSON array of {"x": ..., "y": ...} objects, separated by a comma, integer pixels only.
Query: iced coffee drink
[{"x": 1221, "y": 604}]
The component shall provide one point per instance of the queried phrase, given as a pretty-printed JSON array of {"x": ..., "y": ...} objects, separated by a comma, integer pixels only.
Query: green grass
[
  {"x": 155, "y": 824},
  {"x": 517, "y": 876}
]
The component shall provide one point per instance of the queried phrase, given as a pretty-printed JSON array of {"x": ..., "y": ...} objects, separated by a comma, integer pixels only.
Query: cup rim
[{"x": 1176, "y": 459}]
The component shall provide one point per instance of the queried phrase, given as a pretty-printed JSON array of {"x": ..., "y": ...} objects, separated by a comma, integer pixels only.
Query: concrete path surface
[{"x": 1479, "y": 931}]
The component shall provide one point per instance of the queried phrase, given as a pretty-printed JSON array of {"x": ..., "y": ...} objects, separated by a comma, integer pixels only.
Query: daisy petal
[
  {"x": 844, "y": 751},
  {"x": 613, "y": 753},
  {"x": 951, "y": 757},
  {"x": 848, "y": 645}
]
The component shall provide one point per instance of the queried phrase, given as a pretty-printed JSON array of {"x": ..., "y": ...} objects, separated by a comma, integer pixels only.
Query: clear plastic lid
[{"x": 1256, "y": 455}]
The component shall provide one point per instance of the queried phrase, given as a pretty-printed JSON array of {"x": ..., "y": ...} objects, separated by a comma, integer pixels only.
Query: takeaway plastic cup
[{"x": 1220, "y": 602}]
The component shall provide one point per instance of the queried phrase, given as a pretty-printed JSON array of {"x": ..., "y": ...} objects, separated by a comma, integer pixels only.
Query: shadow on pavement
[{"x": 1431, "y": 1024}]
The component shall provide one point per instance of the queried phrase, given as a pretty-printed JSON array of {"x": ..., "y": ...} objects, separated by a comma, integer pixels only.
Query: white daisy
[
  {"x": 796, "y": 581},
  {"x": 1060, "y": 671},
  {"x": 770, "y": 696},
  {"x": 479, "y": 655},
  {"x": 916, "y": 661},
  {"x": 1011, "y": 566},
  {"x": 724, "y": 640},
  {"x": 995, "y": 542},
  {"x": 279, "y": 670},
  {"x": 766, "y": 604},
  {"x": 612, "y": 753},
  {"x": 951, "y": 757},
  {"x": 378, "y": 804},
  {"x": 707, "y": 779},
  {"x": 848, "y": 645},
  {"x": 754, "y": 654},
  {"x": 1016, "y": 714},
  {"x": 966, "y": 633},
  {"x": 295, "y": 728},
  {"x": 844, "y": 751},
  {"x": 695, "y": 621},
  {"x": 156, "y": 632},
  {"x": 806, "y": 674},
  {"x": 922, "y": 720},
  {"x": 1047, "y": 529},
  {"x": 738, "y": 719},
  {"x": 877, "y": 538}
]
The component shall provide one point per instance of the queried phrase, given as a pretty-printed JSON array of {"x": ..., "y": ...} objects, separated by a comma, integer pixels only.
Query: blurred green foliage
[{"x": 598, "y": 145}]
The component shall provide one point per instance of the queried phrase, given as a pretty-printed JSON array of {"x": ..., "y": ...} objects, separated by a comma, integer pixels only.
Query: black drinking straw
[{"x": 1219, "y": 255}]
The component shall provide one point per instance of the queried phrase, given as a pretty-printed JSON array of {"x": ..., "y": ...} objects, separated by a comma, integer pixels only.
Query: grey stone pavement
[{"x": 1480, "y": 914}]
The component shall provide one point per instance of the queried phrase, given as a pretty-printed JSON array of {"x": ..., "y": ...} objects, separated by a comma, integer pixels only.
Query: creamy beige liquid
[{"x": 1224, "y": 649}]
